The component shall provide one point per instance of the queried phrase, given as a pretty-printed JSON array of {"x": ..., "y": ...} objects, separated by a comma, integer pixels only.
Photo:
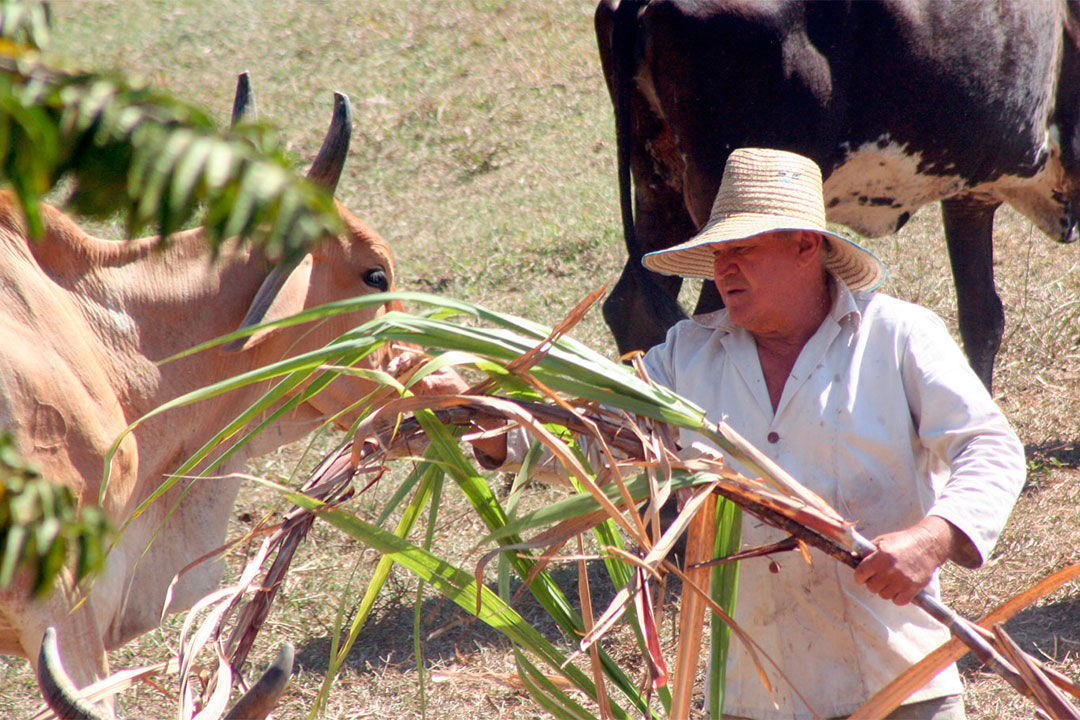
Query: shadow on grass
[
  {"x": 1054, "y": 453},
  {"x": 448, "y": 631},
  {"x": 1049, "y": 632}
]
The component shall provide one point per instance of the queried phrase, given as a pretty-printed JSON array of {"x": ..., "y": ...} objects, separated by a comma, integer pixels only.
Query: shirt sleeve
[{"x": 961, "y": 426}]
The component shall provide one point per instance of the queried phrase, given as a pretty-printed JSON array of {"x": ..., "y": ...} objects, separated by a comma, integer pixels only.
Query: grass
[
  {"x": 483, "y": 141},
  {"x": 483, "y": 151}
]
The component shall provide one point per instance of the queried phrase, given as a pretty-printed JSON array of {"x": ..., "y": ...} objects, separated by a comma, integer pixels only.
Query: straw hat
[{"x": 764, "y": 191}]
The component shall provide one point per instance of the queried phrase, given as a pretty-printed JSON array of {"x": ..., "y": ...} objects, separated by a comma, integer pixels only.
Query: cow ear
[{"x": 282, "y": 293}]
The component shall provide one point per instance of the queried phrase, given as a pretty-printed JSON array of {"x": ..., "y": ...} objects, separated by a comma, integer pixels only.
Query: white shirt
[{"x": 883, "y": 417}]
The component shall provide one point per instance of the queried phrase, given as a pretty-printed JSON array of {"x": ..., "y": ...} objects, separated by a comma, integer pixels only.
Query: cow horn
[
  {"x": 257, "y": 702},
  {"x": 57, "y": 689},
  {"x": 243, "y": 108},
  {"x": 326, "y": 170},
  {"x": 62, "y": 697}
]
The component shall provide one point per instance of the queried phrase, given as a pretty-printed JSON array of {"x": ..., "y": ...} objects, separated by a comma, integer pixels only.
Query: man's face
[{"x": 763, "y": 279}]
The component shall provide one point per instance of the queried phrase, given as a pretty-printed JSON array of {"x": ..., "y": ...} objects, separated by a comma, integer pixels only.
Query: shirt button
[{"x": 773, "y": 437}]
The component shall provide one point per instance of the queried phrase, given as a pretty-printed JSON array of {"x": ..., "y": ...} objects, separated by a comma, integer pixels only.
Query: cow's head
[{"x": 355, "y": 262}]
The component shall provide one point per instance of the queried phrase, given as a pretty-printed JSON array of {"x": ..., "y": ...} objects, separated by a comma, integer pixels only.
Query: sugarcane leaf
[
  {"x": 546, "y": 693},
  {"x": 725, "y": 579},
  {"x": 456, "y": 585},
  {"x": 429, "y": 475},
  {"x": 584, "y": 504}
]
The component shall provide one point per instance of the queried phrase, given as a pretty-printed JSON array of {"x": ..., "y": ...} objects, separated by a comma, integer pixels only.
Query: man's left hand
[{"x": 904, "y": 561}]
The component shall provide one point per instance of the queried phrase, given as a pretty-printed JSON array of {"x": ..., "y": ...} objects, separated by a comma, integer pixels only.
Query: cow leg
[
  {"x": 969, "y": 226},
  {"x": 643, "y": 304},
  {"x": 641, "y": 307},
  {"x": 700, "y": 183},
  {"x": 709, "y": 299}
]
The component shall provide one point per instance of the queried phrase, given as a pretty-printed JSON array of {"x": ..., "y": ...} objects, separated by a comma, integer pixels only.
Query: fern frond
[
  {"x": 25, "y": 22},
  {"x": 41, "y": 524},
  {"x": 158, "y": 160}
]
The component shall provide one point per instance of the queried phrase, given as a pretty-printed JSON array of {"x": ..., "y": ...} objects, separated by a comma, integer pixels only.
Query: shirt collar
[{"x": 843, "y": 307}]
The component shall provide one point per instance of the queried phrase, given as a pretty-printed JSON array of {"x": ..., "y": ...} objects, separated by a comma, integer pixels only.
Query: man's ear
[
  {"x": 811, "y": 244},
  {"x": 282, "y": 293}
]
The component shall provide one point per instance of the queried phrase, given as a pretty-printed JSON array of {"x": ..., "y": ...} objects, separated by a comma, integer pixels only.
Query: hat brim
[{"x": 856, "y": 266}]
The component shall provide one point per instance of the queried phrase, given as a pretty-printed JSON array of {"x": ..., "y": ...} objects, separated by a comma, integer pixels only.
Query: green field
[{"x": 483, "y": 150}]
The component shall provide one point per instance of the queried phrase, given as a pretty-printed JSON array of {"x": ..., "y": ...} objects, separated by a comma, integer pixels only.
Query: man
[{"x": 864, "y": 399}]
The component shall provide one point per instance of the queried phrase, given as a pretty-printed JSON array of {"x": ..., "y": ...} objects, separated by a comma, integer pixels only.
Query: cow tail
[{"x": 624, "y": 48}]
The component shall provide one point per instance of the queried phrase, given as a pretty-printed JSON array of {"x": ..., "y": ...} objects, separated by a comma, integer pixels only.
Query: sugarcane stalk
[
  {"x": 850, "y": 547},
  {"x": 741, "y": 449},
  {"x": 956, "y": 624},
  {"x": 618, "y": 437},
  {"x": 699, "y": 547},
  {"x": 745, "y": 452},
  {"x": 959, "y": 626},
  {"x": 1048, "y": 697}
]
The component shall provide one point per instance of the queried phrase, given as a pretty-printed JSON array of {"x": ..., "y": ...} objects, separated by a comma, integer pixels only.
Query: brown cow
[{"x": 84, "y": 322}]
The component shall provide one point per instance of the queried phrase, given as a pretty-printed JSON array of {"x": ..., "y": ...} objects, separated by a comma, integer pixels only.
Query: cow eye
[{"x": 376, "y": 278}]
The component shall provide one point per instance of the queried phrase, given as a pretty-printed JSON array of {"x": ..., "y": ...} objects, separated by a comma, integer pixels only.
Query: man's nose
[{"x": 723, "y": 264}]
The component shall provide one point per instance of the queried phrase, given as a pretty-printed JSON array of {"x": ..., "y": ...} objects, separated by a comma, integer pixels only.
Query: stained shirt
[{"x": 883, "y": 417}]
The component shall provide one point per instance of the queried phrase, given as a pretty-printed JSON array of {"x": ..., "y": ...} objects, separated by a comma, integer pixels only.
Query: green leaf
[
  {"x": 40, "y": 521},
  {"x": 26, "y": 22},
  {"x": 11, "y": 550},
  {"x": 158, "y": 159},
  {"x": 458, "y": 586},
  {"x": 725, "y": 579},
  {"x": 546, "y": 693}
]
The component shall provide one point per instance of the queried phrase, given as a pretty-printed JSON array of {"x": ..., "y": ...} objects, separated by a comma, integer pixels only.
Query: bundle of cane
[{"x": 549, "y": 381}]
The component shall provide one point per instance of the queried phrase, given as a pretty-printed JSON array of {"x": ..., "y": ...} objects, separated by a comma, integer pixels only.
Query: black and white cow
[{"x": 901, "y": 102}]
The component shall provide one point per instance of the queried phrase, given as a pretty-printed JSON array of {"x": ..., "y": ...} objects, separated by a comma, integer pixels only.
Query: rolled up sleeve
[{"x": 961, "y": 427}]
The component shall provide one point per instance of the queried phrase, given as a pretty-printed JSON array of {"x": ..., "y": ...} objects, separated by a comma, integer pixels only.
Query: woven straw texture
[{"x": 764, "y": 191}]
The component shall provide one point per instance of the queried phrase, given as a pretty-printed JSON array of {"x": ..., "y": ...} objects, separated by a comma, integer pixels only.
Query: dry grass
[{"x": 484, "y": 152}]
